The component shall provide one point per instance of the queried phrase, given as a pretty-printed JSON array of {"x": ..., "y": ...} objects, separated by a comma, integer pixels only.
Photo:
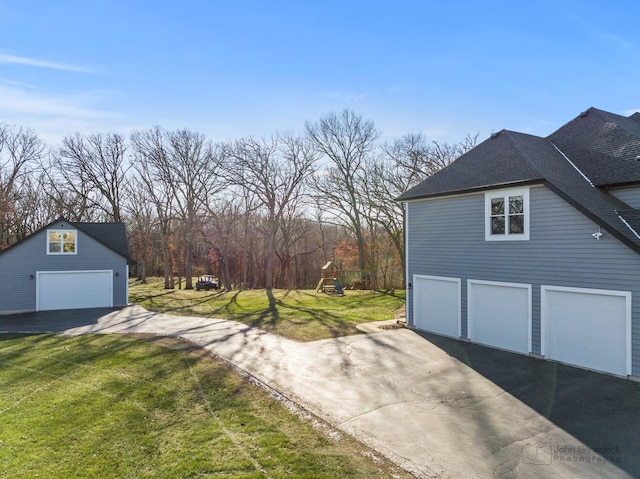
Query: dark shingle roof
[
  {"x": 603, "y": 145},
  {"x": 632, "y": 217},
  {"x": 113, "y": 235},
  {"x": 495, "y": 161},
  {"x": 562, "y": 162}
]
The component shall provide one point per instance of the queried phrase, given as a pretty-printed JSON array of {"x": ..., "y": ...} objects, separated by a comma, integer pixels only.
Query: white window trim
[
  {"x": 524, "y": 192},
  {"x": 62, "y": 253}
]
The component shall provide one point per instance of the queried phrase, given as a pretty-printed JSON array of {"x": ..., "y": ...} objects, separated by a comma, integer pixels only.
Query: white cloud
[
  {"x": 53, "y": 116},
  {"x": 18, "y": 84},
  {"x": 24, "y": 102},
  {"x": 33, "y": 62}
]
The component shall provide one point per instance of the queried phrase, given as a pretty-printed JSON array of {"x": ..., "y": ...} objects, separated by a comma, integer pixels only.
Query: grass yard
[
  {"x": 303, "y": 315},
  {"x": 134, "y": 407}
]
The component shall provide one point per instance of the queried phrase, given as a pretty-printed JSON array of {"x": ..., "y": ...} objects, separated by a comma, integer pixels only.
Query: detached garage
[{"x": 66, "y": 265}]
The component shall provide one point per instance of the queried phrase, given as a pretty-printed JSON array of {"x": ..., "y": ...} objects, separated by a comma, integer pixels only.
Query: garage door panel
[
  {"x": 74, "y": 290},
  {"x": 436, "y": 303},
  {"x": 500, "y": 314},
  {"x": 588, "y": 328}
]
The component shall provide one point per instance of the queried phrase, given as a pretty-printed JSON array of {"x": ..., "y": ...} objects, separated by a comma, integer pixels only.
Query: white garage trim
[
  {"x": 74, "y": 289},
  {"x": 591, "y": 331},
  {"x": 505, "y": 326},
  {"x": 441, "y": 297}
]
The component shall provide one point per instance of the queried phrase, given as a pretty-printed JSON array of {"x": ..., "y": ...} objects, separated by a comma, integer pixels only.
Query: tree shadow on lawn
[
  {"x": 266, "y": 319},
  {"x": 320, "y": 320},
  {"x": 150, "y": 296},
  {"x": 185, "y": 304},
  {"x": 271, "y": 320}
]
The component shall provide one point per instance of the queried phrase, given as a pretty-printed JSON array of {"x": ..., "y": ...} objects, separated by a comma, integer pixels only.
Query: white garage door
[
  {"x": 587, "y": 327},
  {"x": 500, "y": 314},
  {"x": 74, "y": 290},
  {"x": 436, "y": 304}
]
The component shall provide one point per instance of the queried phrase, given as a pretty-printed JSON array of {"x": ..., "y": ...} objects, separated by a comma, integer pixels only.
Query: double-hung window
[
  {"x": 61, "y": 241},
  {"x": 507, "y": 215}
]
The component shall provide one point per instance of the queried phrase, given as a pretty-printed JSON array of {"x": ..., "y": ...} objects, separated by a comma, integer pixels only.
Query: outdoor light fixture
[
  {"x": 598, "y": 234},
  {"x": 117, "y": 275},
  {"x": 30, "y": 276}
]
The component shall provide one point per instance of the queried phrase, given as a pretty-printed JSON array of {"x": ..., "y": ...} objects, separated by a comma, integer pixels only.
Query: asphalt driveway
[{"x": 438, "y": 407}]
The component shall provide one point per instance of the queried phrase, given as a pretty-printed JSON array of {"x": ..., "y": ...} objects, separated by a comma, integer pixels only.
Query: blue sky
[{"x": 248, "y": 67}]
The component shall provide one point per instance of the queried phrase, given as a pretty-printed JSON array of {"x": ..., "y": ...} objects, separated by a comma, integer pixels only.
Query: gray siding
[
  {"x": 18, "y": 291},
  {"x": 630, "y": 195},
  {"x": 446, "y": 238}
]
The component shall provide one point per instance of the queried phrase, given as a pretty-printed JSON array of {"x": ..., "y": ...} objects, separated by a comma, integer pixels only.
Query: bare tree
[
  {"x": 345, "y": 140},
  {"x": 194, "y": 170},
  {"x": 292, "y": 229},
  {"x": 186, "y": 212},
  {"x": 417, "y": 158},
  {"x": 142, "y": 222},
  {"x": 95, "y": 168},
  {"x": 404, "y": 163},
  {"x": 185, "y": 165},
  {"x": 219, "y": 235},
  {"x": 35, "y": 205},
  {"x": 150, "y": 156},
  {"x": 274, "y": 173},
  {"x": 20, "y": 152}
]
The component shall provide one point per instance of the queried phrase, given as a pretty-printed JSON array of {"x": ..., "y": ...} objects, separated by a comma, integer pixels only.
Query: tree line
[{"x": 257, "y": 212}]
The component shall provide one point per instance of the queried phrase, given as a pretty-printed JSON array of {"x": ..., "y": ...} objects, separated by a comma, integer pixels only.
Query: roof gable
[
  {"x": 572, "y": 162},
  {"x": 495, "y": 161},
  {"x": 110, "y": 235}
]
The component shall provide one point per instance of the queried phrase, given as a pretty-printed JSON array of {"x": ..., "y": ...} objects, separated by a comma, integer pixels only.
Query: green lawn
[
  {"x": 303, "y": 315},
  {"x": 134, "y": 407}
]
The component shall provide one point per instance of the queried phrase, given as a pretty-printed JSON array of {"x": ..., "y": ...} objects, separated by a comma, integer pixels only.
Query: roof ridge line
[
  {"x": 572, "y": 164},
  {"x": 627, "y": 225},
  {"x": 522, "y": 152}
]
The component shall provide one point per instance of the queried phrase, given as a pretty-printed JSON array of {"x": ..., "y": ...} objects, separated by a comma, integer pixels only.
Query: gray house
[
  {"x": 66, "y": 265},
  {"x": 532, "y": 245}
]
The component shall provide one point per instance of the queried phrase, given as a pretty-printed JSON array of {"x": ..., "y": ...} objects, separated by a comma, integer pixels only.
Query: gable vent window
[
  {"x": 61, "y": 241},
  {"x": 507, "y": 215}
]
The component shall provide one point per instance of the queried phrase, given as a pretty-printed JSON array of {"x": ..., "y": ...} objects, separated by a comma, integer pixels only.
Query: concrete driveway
[{"x": 438, "y": 407}]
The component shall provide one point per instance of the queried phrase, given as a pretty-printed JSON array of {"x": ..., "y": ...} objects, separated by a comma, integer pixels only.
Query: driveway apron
[{"x": 437, "y": 407}]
